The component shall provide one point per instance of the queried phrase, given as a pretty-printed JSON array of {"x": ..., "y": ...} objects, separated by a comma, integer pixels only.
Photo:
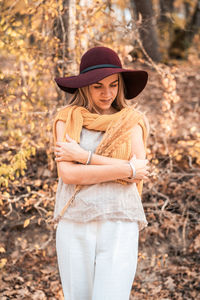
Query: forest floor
[{"x": 168, "y": 261}]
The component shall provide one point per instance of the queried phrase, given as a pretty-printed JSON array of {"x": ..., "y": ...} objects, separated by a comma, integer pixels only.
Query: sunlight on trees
[{"x": 40, "y": 40}]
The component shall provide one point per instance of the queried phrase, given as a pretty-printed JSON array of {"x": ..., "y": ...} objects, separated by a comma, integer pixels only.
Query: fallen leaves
[
  {"x": 168, "y": 254},
  {"x": 3, "y": 262}
]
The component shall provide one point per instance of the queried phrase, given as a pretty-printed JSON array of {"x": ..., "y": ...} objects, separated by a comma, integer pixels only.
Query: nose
[{"x": 107, "y": 92}]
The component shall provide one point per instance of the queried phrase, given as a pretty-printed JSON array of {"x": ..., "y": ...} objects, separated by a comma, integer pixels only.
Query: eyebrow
[{"x": 110, "y": 83}]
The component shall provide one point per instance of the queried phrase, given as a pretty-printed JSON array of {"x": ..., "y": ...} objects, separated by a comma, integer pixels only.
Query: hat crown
[{"x": 99, "y": 56}]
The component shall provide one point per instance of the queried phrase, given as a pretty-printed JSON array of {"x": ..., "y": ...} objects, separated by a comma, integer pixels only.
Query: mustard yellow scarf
[{"x": 116, "y": 142}]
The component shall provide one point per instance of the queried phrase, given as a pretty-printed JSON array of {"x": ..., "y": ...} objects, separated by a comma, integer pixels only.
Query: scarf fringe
[{"x": 116, "y": 143}]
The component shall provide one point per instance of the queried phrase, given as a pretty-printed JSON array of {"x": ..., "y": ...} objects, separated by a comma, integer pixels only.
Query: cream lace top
[{"x": 102, "y": 201}]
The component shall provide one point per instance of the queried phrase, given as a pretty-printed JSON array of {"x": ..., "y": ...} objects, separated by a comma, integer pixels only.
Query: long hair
[{"x": 82, "y": 97}]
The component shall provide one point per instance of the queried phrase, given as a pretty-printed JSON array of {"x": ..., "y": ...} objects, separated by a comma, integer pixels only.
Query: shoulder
[
  {"x": 143, "y": 122},
  {"x": 62, "y": 113},
  {"x": 141, "y": 117},
  {"x": 59, "y": 123},
  {"x": 137, "y": 129},
  {"x": 142, "y": 126}
]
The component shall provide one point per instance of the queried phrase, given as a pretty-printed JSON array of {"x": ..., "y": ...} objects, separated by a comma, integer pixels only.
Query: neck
[{"x": 110, "y": 111}]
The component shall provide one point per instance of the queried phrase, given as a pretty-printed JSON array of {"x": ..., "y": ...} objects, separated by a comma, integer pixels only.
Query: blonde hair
[{"x": 83, "y": 98}]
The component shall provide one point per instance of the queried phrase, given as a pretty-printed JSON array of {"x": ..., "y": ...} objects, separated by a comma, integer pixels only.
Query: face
[{"x": 103, "y": 93}]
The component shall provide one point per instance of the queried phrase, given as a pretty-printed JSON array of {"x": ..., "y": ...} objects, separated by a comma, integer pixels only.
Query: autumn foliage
[{"x": 33, "y": 50}]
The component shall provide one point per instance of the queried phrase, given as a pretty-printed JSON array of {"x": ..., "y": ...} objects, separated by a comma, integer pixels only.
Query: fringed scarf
[{"x": 117, "y": 140}]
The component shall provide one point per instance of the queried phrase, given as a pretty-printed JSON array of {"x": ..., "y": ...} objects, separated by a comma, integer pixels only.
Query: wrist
[
  {"x": 83, "y": 157},
  {"x": 133, "y": 170},
  {"x": 127, "y": 170}
]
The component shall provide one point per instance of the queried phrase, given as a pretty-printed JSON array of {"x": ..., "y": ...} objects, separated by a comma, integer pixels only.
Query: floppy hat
[{"x": 98, "y": 63}]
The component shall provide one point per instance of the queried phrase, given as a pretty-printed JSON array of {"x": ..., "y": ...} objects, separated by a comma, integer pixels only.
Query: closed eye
[
  {"x": 100, "y": 86},
  {"x": 112, "y": 84}
]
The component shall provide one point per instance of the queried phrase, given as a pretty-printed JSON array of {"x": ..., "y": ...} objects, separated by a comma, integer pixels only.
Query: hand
[
  {"x": 69, "y": 151},
  {"x": 133, "y": 180},
  {"x": 141, "y": 168}
]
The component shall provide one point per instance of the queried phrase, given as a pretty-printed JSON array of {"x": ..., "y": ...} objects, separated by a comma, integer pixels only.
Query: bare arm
[
  {"x": 71, "y": 151},
  {"x": 138, "y": 148},
  {"x": 73, "y": 173}
]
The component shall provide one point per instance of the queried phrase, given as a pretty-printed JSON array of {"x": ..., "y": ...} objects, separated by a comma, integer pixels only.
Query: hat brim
[{"x": 134, "y": 80}]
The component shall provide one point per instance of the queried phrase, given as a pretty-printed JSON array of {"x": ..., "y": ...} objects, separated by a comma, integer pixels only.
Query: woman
[{"x": 100, "y": 155}]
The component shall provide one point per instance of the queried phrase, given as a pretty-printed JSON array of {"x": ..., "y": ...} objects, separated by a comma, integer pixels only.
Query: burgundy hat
[{"x": 98, "y": 63}]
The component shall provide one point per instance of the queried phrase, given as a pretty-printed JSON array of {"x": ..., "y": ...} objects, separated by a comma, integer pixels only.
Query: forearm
[
  {"x": 92, "y": 174},
  {"x": 103, "y": 160},
  {"x": 99, "y": 159}
]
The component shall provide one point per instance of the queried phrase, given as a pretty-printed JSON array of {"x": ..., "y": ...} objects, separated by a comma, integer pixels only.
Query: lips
[{"x": 106, "y": 101}]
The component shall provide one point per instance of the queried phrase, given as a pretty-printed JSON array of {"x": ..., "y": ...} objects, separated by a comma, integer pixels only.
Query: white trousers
[{"x": 97, "y": 260}]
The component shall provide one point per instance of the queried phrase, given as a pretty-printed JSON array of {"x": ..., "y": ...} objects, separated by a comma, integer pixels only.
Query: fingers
[
  {"x": 68, "y": 139},
  {"x": 134, "y": 157},
  {"x": 146, "y": 161},
  {"x": 56, "y": 150},
  {"x": 142, "y": 173},
  {"x": 58, "y": 159}
]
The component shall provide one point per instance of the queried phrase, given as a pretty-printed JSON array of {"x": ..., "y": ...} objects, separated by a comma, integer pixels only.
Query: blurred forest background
[{"x": 40, "y": 40}]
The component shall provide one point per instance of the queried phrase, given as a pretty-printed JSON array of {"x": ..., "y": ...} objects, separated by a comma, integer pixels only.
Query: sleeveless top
[{"x": 102, "y": 201}]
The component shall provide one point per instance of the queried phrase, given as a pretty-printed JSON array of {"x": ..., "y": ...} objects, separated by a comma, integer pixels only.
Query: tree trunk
[
  {"x": 72, "y": 36},
  {"x": 166, "y": 8},
  {"x": 65, "y": 30},
  {"x": 193, "y": 26},
  {"x": 147, "y": 29},
  {"x": 165, "y": 24},
  {"x": 60, "y": 30},
  {"x": 184, "y": 37}
]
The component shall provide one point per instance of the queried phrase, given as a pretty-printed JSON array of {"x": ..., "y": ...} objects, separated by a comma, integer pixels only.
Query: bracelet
[
  {"x": 89, "y": 158},
  {"x": 133, "y": 170}
]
